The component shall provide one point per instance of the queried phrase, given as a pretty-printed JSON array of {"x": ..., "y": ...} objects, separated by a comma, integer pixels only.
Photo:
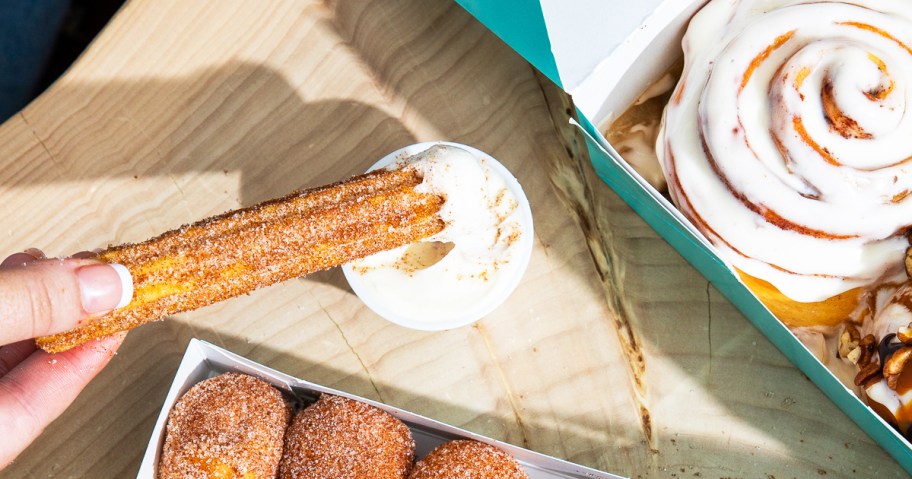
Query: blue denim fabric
[{"x": 28, "y": 31}]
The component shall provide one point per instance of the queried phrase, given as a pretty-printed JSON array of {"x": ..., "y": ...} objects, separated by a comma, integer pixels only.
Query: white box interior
[
  {"x": 203, "y": 360},
  {"x": 604, "y": 91}
]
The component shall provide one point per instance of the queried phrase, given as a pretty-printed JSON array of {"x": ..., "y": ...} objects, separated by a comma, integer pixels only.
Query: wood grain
[{"x": 613, "y": 352}]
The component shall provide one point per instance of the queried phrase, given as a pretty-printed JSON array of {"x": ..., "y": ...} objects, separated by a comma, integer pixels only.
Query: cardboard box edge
[
  {"x": 717, "y": 273},
  {"x": 199, "y": 353}
]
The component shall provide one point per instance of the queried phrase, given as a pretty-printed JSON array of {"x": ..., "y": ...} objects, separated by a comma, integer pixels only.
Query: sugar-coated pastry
[
  {"x": 227, "y": 427},
  {"x": 787, "y": 144},
  {"x": 240, "y": 251},
  {"x": 339, "y": 438},
  {"x": 466, "y": 459}
]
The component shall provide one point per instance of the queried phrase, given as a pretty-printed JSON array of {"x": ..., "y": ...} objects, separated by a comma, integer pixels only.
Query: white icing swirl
[{"x": 788, "y": 139}]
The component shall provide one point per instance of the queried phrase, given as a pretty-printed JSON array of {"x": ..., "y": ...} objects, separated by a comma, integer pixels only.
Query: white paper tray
[{"x": 203, "y": 360}]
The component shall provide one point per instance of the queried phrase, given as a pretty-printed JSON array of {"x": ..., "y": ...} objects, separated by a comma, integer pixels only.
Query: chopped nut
[
  {"x": 867, "y": 345},
  {"x": 904, "y": 334},
  {"x": 908, "y": 260},
  {"x": 853, "y": 332},
  {"x": 868, "y": 372},
  {"x": 848, "y": 341},
  {"x": 895, "y": 364},
  {"x": 854, "y": 355}
]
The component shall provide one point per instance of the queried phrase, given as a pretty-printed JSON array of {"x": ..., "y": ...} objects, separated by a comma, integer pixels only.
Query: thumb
[{"x": 48, "y": 296}]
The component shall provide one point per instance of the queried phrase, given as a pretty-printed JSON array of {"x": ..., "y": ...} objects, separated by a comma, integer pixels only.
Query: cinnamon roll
[{"x": 788, "y": 143}]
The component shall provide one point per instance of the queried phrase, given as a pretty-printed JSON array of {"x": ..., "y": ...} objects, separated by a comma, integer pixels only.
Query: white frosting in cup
[
  {"x": 788, "y": 139},
  {"x": 463, "y": 272}
]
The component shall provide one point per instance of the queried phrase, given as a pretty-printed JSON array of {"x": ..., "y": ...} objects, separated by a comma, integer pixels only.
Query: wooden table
[{"x": 613, "y": 352}]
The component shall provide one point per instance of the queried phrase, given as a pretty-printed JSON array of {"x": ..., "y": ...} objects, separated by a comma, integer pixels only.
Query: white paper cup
[{"x": 502, "y": 285}]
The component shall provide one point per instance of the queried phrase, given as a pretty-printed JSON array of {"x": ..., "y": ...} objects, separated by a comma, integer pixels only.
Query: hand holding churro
[
  {"x": 44, "y": 296},
  {"x": 243, "y": 250}
]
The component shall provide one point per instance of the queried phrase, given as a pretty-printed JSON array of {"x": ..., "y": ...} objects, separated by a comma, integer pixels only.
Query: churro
[{"x": 250, "y": 248}]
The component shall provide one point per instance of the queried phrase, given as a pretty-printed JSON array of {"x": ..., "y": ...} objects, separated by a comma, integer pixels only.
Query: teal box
[{"x": 604, "y": 54}]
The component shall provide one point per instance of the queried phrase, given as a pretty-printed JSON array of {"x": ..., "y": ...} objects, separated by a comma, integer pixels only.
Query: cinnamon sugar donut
[
  {"x": 338, "y": 438},
  {"x": 230, "y": 426},
  {"x": 467, "y": 460},
  {"x": 788, "y": 144}
]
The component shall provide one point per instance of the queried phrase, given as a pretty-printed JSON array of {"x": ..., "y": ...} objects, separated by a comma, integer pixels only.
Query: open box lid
[
  {"x": 549, "y": 33},
  {"x": 588, "y": 47}
]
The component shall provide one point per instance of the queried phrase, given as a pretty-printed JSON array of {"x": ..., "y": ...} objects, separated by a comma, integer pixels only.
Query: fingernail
[{"x": 104, "y": 287}]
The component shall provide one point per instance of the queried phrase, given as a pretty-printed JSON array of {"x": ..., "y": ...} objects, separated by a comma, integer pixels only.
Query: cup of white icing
[{"x": 464, "y": 272}]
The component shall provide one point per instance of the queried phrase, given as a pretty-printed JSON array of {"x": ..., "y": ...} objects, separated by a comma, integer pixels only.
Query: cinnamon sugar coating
[
  {"x": 338, "y": 438},
  {"x": 243, "y": 250},
  {"x": 465, "y": 459},
  {"x": 230, "y": 426}
]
